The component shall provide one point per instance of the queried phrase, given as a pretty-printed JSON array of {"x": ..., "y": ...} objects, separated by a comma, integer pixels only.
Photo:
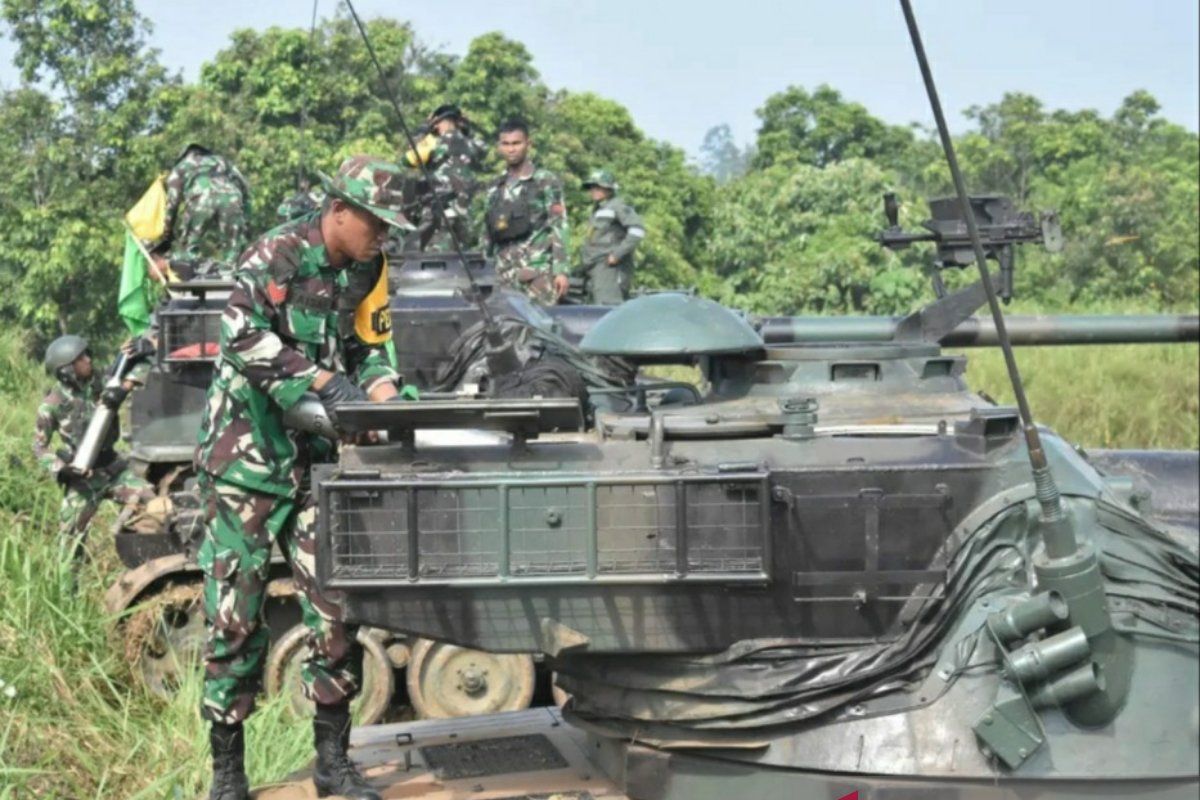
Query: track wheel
[
  {"x": 287, "y": 657},
  {"x": 445, "y": 680},
  {"x": 164, "y": 639}
]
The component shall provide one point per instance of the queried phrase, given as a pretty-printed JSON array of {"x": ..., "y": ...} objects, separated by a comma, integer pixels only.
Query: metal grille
[
  {"x": 379, "y": 532},
  {"x": 189, "y": 335}
]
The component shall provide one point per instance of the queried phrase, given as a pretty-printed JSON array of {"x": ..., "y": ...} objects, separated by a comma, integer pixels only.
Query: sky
[{"x": 683, "y": 66}]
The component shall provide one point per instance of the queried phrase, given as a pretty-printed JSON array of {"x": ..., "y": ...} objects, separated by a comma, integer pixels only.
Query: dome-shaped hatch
[{"x": 670, "y": 324}]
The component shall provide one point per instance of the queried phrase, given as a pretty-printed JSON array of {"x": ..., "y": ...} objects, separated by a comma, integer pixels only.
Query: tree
[
  {"x": 821, "y": 128},
  {"x": 66, "y": 155},
  {"x": 721, "y": 157},
  {"x": 798, "y": 238}
]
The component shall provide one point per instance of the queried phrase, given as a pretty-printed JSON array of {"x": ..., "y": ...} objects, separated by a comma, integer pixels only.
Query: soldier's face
[
  {"x": 360, "y": 233},
  {"x": 83, "y": 366},
  {"x": 598, "y": 193},
  {"x": 444, "y": 126},
  {"x": 513, "y": 147}
]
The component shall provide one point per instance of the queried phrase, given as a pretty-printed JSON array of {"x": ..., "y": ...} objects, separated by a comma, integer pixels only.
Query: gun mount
[{"x": 1001, "y": 228}]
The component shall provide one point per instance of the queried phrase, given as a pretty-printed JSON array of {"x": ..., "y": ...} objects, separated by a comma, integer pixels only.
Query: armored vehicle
[{"x": 828, "y": 571}]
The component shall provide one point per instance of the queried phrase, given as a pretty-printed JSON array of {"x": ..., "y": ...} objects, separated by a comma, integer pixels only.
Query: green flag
[{"x": 133, "y": 299}]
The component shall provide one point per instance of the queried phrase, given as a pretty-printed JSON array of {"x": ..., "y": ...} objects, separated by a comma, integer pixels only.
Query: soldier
[
  {"x": 527, "y": 221},
  {"x": 616, "y": 231},
  {"x": 453, "y": 156},
  {"x": 66, "y": 410},
  {"x": 208, "y": 201},
  {"x": 293, "y": 324},
  {"x": 306, "y": 200}
]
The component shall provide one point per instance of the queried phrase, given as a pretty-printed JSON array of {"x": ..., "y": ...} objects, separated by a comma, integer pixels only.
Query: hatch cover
[{"x": 479, "y": 759}]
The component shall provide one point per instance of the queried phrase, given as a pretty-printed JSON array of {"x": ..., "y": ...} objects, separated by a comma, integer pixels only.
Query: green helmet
[
  {"x": 63, "y": 351},
  {"x": 373, "y": 184},
  {"x": 602, "y": 178}
]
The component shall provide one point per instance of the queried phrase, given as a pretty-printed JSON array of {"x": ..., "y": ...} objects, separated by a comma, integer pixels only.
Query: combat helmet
[
  {"x": 445, "y": 111},
  {"x": 601, "y": 178},
  {"x": 189, "y": 147},
  {"x": 61, "y": 354}
]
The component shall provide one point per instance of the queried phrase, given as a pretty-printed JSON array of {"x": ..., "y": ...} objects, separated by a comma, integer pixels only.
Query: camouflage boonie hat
[
  {"x": 373, "y": 184},
  {"x": 602, "y": 178}
]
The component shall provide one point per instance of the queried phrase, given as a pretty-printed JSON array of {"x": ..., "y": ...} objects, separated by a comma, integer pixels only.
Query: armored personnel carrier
[{"x": 829, "y": 571}]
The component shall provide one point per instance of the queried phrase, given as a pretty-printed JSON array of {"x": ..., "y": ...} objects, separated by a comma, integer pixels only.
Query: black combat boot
[
  {"x": 229, "y": 763},
  {"x": 335, "y": 773}
]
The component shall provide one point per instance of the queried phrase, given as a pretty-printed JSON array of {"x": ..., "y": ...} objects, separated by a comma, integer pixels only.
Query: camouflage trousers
[
  {"x": 81, "y": 500},
  {"x": 212, "y": 226},
  {"x": 514, "y": 272},
  {"x": 235, "y": 556}
]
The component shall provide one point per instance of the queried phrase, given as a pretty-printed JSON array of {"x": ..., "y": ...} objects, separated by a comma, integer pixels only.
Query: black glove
[
  {"x": 113, "y": 396},
  {"x": 138, "y": 348},
  {"x": 339, "y": 389},
  {"x": 69, "y": 478}
]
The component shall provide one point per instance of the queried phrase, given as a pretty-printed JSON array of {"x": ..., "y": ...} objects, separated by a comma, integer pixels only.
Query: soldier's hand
[
  {"x": 113, "y": 396},
  {"x": 561, "y": 284},
  {"x": 612, "y": 261},
  {"x": 337, "y": 389},
  {"x": 139, "y": 347}
]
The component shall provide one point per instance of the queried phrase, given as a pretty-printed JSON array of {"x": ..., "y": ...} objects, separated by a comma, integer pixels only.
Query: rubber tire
[
  {"x": 515, "y": 694},
  {"x": 379, "y": 681}
]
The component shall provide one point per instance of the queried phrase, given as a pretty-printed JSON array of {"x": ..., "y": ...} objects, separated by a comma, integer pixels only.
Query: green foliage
[
  {"x": 782, "y": 226},
  {"x": 821, "y": 128},
  {"x": 792, "y": 239}
]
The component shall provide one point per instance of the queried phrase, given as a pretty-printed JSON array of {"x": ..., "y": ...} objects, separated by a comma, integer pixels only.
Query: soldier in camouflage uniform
[
  {"x": 290, "y": 327},
  {"x": 208, "y": 202},
  {"x": 305, "y": 201},
  {"x": 66, "y": 410},
  {"x": 453, "y": 157},
  {"x": 527, "y": 222},
  {"x": 615, "y": 232}
]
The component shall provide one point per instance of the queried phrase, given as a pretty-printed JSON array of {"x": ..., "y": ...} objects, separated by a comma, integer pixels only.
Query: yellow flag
[{"x": 148, "y": 217}]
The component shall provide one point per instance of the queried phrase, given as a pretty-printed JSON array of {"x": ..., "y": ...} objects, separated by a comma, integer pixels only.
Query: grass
[
  {"x": 78, "y": 726},
  {"x": 1118, "y": 396}
]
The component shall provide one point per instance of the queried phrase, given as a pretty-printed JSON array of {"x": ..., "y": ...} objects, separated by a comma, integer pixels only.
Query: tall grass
[
  {"x": 1120, "y": 396},
  {"x": 78, "y": 725}
]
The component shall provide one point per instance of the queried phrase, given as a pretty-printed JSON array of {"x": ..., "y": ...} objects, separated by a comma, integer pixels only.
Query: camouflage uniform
[
  {"x": 208, "y": 201},
  {"x": 614, "y": 233},
  {"x": 290, "y": 313},
  {"x": 453, "y": 161},
  {"x": 299, "y": 204},
  {"x": 66, "y": 410},
  {"x": 527, "y": 232}
]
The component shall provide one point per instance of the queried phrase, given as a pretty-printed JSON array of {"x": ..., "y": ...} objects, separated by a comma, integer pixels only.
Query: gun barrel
[{"x": 979, "y": 332}]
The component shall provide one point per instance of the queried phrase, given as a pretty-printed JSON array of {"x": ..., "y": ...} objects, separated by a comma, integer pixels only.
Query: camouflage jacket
[
  {"x": 289, "y": 314},
  {"x": 453, "y": 162},
  {"x": 66, "y": 410},
  {"x": 615, "y": 230},
  {"x": 208, "y": 201},
  {"x": 300, "y": 203},
  {"x": 541, "y": 243}
]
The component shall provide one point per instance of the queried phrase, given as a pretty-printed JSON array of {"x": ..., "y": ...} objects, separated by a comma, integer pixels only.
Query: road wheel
[
  {"x": 445, "y": 680},
  {"x": 286, "y": 659},
  {"x": 164, "y": 638}
]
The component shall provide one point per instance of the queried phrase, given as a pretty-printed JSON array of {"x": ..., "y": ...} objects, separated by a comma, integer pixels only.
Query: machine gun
[{"x": 1001, "y": 226}]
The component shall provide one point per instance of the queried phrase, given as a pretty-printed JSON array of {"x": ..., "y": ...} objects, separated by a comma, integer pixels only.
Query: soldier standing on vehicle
[
  {"x": 66, "y": 410},
  {"x": 527, "y": 221},
  {"x": 208, "y": 201},
  {"x": 453, "y": 156},
  {"x": 306, "y": 200},
  {"x": 616, "y": 231},
  {"x": 291, "y": 326}
]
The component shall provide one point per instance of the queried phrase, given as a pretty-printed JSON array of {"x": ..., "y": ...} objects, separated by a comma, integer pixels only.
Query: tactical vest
[{"x": 509, "y": 218}]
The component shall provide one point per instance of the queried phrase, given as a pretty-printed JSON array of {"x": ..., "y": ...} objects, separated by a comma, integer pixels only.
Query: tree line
[{"x": 784, "y": 226}]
